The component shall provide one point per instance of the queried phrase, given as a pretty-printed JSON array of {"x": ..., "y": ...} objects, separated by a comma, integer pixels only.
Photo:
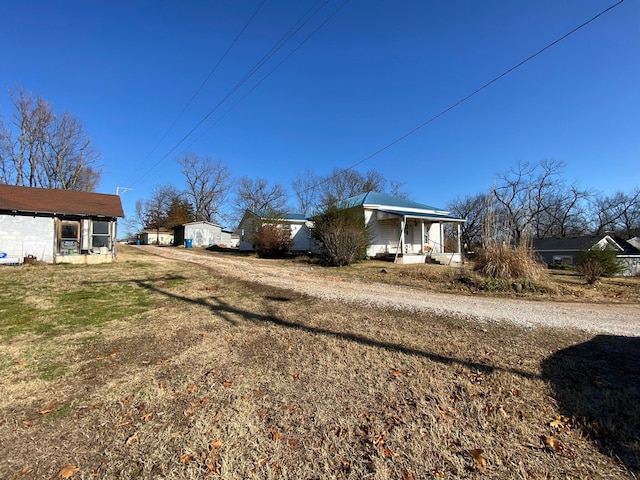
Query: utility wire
[
  {"x": 204, "y": 82},
  {"x": 213, "y": 70},
  {"x": 272, "y": 71},
  {"x": 302, "y": 21},
  {"x": 475, "y": 92}
]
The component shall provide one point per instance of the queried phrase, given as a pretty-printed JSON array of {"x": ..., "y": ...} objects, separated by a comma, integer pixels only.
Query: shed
[
  {"x": 155, "y": 237},
  {"x": 58, "y": 226},
  {"x": 202, "y": 234}
]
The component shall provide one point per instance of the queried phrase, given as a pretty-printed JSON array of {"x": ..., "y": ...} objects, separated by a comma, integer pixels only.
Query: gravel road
[{"x": 616, "y": 319}]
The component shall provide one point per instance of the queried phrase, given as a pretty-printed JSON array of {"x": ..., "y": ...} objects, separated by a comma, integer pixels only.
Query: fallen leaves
[
  {"x": 216, "y": 444},
  {"x": 146, "y": 417},
  {"x": 68, "y": 471},
  {"x": 49, "y": 407},
  {"x": 560, "y": 423},
  {"x": 395, "y": 373},
  {"x": 552, "y": 444},
  {"x": 131, "y": 439},
  {"x": 479, "y": 461}
]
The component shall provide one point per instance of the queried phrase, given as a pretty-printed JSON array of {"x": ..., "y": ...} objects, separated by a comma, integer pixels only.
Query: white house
[
  {"x": 405, "y": 231},
  {"x": 295, "y": 222},
  {"x": 155, "y": 237},
  {"x": 408, "y": 232},
  {"x": 57, "y": 226}
]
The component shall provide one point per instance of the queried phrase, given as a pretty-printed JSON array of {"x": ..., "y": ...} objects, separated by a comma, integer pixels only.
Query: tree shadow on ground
[
  {"x": 598, "y": 384},
  {"x": 233, "y": 315}
]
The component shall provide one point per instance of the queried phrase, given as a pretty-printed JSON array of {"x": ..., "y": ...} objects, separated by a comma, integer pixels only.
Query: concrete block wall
[{"x": 21, "y": 236}]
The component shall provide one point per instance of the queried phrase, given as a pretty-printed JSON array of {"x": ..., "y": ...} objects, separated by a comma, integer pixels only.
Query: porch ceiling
[{"x": 425, "y": 216}]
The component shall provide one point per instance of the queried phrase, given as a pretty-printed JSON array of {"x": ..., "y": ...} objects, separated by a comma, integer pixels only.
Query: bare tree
[
  {"x": 619, "y": 213},
  {"x": 209, "y": 184},
  {"x": 136, "y": 222},
  {"x": 41, "y": 149},
  {"x": 341, "y": 184},
  {"x": 305, "y": 187},
  {"x": 535, "y": 200},
  {"x": 474, "y": 210},
  {"x": 257, "y": 195},
  {"x": 156, "y": 208}
]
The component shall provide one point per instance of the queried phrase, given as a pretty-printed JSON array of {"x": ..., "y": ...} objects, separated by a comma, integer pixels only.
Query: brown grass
[
  {"x": 233, "y": 380},
  {"x": 504, "y": 261}
]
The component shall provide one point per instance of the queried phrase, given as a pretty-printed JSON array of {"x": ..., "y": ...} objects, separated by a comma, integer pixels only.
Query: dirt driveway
[{"x": 617, "y": 319}]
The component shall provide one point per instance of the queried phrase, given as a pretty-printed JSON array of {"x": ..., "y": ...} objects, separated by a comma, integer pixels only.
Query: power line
[
  {"x": 300, "y": 23},
  {"x": 273, "y": 70},
  {"x": 478, "y": 90},
  {"x": 208, "y": 77}
]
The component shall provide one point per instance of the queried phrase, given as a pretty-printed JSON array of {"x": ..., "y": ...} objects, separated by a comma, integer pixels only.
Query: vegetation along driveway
[{"x": 617, "y": 319}]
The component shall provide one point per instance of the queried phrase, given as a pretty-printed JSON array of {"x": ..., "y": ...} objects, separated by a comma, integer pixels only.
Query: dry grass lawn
[{"x": 152, "y": 368}]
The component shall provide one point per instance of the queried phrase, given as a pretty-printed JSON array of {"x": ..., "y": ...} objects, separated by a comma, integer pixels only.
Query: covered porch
[{"x": 409, "y": 238}]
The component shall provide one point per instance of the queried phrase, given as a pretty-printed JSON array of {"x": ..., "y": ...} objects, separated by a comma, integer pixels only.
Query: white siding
[
  {"x": 21, "y": 236},
  {"x": 203, "y": 234},
  {"x": 301, "y": 237}
]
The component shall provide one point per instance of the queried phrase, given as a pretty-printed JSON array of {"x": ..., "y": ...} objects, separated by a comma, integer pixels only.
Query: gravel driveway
[{"x": 617, "y": 319}]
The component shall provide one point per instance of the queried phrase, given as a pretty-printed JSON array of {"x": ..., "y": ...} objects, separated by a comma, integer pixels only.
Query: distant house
[
  {"x": 202, "y": 234},
  {"x": 564, "y": 251},
  {"x": 408, "y": 232},
  {"x": 156, "y": 237},
  {"x": 57, "y": 226},
  {"x": 296, "y": 223}
]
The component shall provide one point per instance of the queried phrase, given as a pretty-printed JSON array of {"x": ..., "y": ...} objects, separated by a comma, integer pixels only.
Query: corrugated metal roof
[
  {"x": 382, "y": 199},
  {"x": 63, "y": 202}
]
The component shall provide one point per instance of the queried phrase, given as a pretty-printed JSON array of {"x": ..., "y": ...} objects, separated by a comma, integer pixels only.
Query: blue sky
[{"x": 374, "y": 71}]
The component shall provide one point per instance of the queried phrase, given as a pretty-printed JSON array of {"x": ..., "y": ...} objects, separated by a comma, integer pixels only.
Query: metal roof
[{"x": 376, "y": 199}]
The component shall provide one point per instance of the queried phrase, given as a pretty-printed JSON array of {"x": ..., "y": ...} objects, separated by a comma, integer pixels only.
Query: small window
[
  {"x": 100, "y": 234},
  {"x": 562, "y": 260},
  {"x": 69, "y": 238},
  {"x": 69, "y": 230}
]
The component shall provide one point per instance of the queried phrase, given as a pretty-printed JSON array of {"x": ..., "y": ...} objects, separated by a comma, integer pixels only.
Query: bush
[
  {"x": 504, "y": 261},
  {"x": 272, "y": 240},
  {"x": 342, "y": 236},
  {"x": 598, "y": 262}
]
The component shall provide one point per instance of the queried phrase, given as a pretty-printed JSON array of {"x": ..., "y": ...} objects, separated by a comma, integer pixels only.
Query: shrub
[
  {"x": 504, "y": 261},
  {"x": 342, "y": 236},
  {"x": 272, "y": 240},
  {"x": 598, "y": 262}
]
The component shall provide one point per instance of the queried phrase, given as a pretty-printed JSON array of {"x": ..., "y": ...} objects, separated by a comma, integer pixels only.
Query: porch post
[
  {"x": 441, "y": 237},
  {"x": 459, "y": 244},
  {"x": 402, "y": 225},
  {"x": 421, "y": 236}
]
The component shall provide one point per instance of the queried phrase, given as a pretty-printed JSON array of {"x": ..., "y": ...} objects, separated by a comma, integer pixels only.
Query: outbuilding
[
  {"x": 201, "y": 234},
  {"x": 57, "y": 226}
]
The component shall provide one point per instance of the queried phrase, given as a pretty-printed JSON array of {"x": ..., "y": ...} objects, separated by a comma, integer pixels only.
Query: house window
[
  {"x": 562, "y": 260},
  {"x": 100, "y": 234},
  {"x": 69, "y": 240}
]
